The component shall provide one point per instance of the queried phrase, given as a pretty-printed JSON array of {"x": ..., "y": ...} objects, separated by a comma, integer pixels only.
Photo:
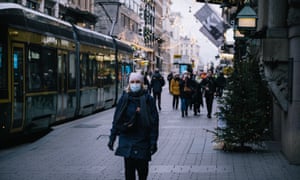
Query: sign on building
[{"x": 176, "y": 58}]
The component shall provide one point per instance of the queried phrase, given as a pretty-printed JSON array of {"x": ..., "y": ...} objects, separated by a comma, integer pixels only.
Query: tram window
[
  {"x": 41, "y": 69},
  {"x": 34, "y": 72},
  {"x": 89, "y": 77},
  {"x": 72, "y": 75},
  {"x": 86, "y": 69},
  {"x": 109, "y": 73},
  {"x": 49, "y": 64},
  {"x": 92, "y": 70},
  {"x": 3, "y": 74},
  {"x": 83, "y": 70},
  {"x": 16, "y": 61}
]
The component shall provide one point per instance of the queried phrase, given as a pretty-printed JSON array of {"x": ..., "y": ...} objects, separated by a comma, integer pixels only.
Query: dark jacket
[
  {"x": 197, "y": 95},
  {"x": 221, "y": 81},
  {"x": 188, "y": 82},
  {"x": 157, "y": 82},
  {"x": 209, "y": 86},
  {"x": 135, "y": 142}
]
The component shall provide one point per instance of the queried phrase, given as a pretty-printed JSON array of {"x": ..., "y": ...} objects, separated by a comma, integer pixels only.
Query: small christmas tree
[{"x": 245, "y": 108}]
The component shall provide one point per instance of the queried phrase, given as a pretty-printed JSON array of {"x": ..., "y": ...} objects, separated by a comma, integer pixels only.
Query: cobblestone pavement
[{"x": 77, "y": 150}]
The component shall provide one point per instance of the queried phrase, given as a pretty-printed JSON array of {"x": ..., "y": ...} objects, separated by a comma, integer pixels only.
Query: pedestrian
[
  {"x": 169, "y": 78},
  {"x": 209, "y": 86},
  {"x": 175, "y": 90},
  {"x": 157, "y": 82},
  {"x": 186, "y": 91},
  {"x": 197, "y": 98},
  {"x": 221, "y": 83},
  {"x": 135, "y": 122},
  {"x": 146, "y": 82}
]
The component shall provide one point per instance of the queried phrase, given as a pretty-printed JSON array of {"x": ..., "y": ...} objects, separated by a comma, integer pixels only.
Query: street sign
[{"x": 177, "y": 56}]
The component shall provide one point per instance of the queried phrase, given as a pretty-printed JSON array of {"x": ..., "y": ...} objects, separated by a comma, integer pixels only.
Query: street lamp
[
  {"x": 246, "y": 19},
  {"x": 109, "y": 7}
]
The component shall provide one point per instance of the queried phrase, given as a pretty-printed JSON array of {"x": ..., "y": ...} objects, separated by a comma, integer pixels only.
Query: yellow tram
[{"x": 51, "y": 70}]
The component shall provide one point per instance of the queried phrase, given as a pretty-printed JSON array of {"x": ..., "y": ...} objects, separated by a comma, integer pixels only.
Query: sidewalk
[
  {"x": 78, "y": 150},
  {"x": 186, "y": 151}
]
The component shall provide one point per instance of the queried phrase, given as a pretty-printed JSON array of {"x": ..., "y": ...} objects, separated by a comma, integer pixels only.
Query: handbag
[{"x": 186, "y": 88}]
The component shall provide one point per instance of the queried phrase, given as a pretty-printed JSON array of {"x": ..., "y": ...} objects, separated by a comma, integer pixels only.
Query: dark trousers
[
  {"x": 209, "y": 98},
  {"x": 175, "y": 101},
  {"x": 196, "y": 108},
  {"x": 157, "y": 97},
  {"x": 139, "y": 165}
]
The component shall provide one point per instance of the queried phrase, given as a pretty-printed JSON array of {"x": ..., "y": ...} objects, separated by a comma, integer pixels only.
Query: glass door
[
  {"x": 17, "y": 86},
  {"x": 62, "y": 85}
]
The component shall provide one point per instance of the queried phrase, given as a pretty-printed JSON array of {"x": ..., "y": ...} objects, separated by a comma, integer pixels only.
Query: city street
[{"x": 78, "y": 150}]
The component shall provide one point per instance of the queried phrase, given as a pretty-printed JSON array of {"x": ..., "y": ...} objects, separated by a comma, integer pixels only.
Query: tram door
[
  {"x": 17, "y": 87},
  {"x": 62, "y": 85}
]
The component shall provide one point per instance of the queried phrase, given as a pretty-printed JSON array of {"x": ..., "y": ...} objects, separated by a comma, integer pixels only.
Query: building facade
[
  {"x": 141, "y": 24},
  {"x": 278, "y": 21},
  {"x": 79, "y": 12},
  {"x": 275, "y": 44}
]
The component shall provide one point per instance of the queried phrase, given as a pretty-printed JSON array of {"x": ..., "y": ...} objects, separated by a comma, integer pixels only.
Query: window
[
  {"x": 83, "y": 70},
  {"x": 72, "y": 69},
  {"x": 123, "y": 20},
  {"x": 48, "y": 10},
  {"x": 93, "y": 69},
  {"x": 32, "y": 5},
  {"x": 42, "y": 69},
  {"x": 3, "y": 74},
  {"x": 86, "y": 70}
]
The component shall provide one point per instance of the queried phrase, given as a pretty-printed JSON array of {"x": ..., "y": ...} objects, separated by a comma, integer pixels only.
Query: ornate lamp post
[
  {"x": 245, "y": 25},
  {"x": 109, "y": 7},
  {"x": 246, "y": 19}
]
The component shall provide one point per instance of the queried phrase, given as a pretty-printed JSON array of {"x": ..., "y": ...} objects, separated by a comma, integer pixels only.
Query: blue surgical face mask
[{"x": 135, "y": 87}]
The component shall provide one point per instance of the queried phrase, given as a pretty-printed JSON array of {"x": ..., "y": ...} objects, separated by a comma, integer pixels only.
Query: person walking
[
  {"x": 209, "y": 86},
  {"x": 146, "y": 82},
  {"x": 186, "y": 91},
  {"x": 135, "y": 122},
  {"x": 221, "y": 83},
  {"x": 157, "y": 82},
  {"x": 197, "y": 98},
  {"x": 169, "y": 78},
  {"x": 175, "y": 90}
]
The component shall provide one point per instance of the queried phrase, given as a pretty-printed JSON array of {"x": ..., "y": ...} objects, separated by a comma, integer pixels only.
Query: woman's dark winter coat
[{"x": 135, "y": 141}]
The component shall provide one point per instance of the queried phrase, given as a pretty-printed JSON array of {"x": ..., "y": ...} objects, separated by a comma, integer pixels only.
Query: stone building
[
  {"x": 140, "y": 23},
  {"x": 278, "y": 24},
  {"x": 78, "y": 12},
  {"x": 275, "y": 44}
]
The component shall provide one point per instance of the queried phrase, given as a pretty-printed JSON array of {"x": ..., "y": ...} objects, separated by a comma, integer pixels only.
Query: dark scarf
[
  {"x": 140, "y": 97},
  {"x": 145, "y": 115}
]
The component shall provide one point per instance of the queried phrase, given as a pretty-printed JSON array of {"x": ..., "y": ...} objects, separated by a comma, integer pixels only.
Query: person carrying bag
[{"x": 135, "y": 123}]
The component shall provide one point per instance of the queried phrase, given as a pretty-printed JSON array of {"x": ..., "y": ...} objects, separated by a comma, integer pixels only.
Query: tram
[{"x": 52, "y": 71}]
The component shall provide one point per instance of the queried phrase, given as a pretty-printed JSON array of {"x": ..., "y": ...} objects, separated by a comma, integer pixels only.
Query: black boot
[{"x": 182, "y": 114}]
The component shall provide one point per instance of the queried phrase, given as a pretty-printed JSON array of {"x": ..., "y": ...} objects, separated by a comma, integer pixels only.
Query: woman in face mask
[{"x": 135, "y": 122}]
